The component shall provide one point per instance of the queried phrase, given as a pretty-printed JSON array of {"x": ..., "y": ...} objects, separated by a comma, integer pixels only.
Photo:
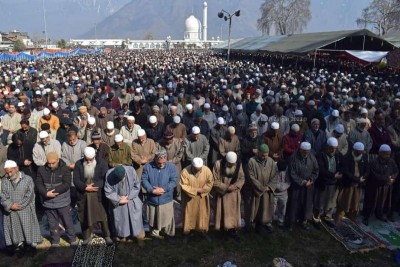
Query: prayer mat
[
  {"x": 95, "y": 254},
  {"x": 352, "y": 236},
  {"x": 386, "y": 232}
]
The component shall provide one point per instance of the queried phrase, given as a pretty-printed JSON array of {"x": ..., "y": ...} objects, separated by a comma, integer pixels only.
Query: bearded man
[
  {"x": 130, "y": 130},
  {"x": 53, "y": 183},
  {"x": 261, "y": 174},
  {"x": 89, "y": 175},
  {"x": 378, "y": 192},
  {"x": 159, "y": 179},
  {"x": 17, "y": 197},
  {"x": 228, "y": 181}
]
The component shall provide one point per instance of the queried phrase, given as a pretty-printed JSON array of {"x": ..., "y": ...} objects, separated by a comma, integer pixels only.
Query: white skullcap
[
  {"x": 118, "y": 138},
  {"x": 371, "y": 102},
  {"x": 17, "y": 91},
  {"x": 258, "y": 91},
  {"x": 48, "y": 90},
  {"x": 358, "y": 146},
  {"x": 195, "y": 130},
  {"x": 231, "y": 157},
  {"x": 46, "y": 111},
  {"x": 55, "y": 93},
  {"x": 197, "y": 162},
  {"x": 361, "y": 120},
  {"x": 363, "y": 98},
  {"x": 41, "y": 86},
  {"x": 110, "y": 125},
  {"x": 189, "y": 106},
  {"x": 302, "y": 98},
  {"x": 259, "y": 107},
  {"x": 173, "y": 107},
  {"x": 176, "y": 119},
  {"x": 152, "y": 119},
  {"x": 220, "y": 121},
  {"x": 90, "y": 152},
  {"x": 131, "y": 118},
  {"x": 166, "y": 98},
  {"x": 305, "y": 146},
  {"x": 43, "y": 134},
  {"x": 311, "y": 103},
  {"x": 275, "y": 125},
  {"x": 384, "y": 148},
  {"x": 10, "y": 164},
  {"x": 207, "y": 105},
  {"x": 239, "y": 107},
  {"x": 335, "y": 113},
  {"x": 36, "y": 92},
  {"x": 363, "y": 111},
  {"x": 339, "y": 128},
  {"x": 332, "y": 141},
  {"x": 20, "y": 104},
  {"x": 295, "y": 127},
  {"x": 231, "y": 129},
  {"x": 225, "y": 108},
  {"x": 298, "y": 112},
  {"x": 150, "y": 91},
  {"x": 141, "y": 132},
  {"x": 91, "y": 120},
  {"x": 137, "y": 90},
  {"x": 54, "y": 105}
]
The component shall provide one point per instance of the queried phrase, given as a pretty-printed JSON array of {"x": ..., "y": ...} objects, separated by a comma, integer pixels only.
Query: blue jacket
[{"x": 166, "y": 178}]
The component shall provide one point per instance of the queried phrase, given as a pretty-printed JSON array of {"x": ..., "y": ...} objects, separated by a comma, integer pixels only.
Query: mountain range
[{"x": 136, "y": 19}]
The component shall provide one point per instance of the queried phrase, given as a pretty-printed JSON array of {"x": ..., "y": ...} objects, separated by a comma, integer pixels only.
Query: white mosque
[{"x": 194, "y": 36}]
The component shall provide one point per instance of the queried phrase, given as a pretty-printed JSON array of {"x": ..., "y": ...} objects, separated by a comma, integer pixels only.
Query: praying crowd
[{"x": 128, "y": 137}]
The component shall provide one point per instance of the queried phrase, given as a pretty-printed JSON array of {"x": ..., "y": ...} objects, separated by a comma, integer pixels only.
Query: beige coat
[
  {"x": 227, "y": 204},
  {"x": 226, "y": 145},
  {"x": 179, "y": 130},
  {"x": 262, "y": 178},
  {"x": 141, "y": 151},
  {"x": 196, "y": 207}
]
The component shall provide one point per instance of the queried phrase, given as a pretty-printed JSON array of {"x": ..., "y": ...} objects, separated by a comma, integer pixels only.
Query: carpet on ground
[
  {"x": 352, "y": 236},
  {"x": 95, "y": 254},
  {"x": 386, "y": 232}
]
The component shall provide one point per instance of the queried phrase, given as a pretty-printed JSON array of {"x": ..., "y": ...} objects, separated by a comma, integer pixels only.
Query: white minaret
[{"x": 204, "y": 21}]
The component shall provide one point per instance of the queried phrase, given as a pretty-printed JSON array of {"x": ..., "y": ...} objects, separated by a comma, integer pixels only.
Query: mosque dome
[{"x": 192, "y": 24}]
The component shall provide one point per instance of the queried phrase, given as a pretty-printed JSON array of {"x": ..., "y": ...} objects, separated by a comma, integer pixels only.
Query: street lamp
[{"x": 227, "y": 16}]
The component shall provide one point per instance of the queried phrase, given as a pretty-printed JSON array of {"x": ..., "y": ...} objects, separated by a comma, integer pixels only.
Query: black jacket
[
  {"x": 326, "y": 177},
  {"x": 348, "y": 167},
  {"x": 20, "y": 154}
]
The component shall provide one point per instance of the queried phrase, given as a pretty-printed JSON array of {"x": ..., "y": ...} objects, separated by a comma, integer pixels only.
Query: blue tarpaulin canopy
[{"x": 43, "y": 54}]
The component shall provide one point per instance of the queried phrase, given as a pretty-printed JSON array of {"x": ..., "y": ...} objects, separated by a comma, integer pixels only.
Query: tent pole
[
  {"x": 315, "y": 56},
  {"x": 363, "y": 42}
]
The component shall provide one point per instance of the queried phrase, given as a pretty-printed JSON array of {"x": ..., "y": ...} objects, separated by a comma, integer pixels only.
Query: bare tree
[
  {"x": 381, "y": 16},
  {"x": 284, "y": 16}
]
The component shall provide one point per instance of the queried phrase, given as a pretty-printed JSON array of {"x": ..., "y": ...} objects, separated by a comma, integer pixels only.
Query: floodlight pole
[{"x": 228, "y": 16}]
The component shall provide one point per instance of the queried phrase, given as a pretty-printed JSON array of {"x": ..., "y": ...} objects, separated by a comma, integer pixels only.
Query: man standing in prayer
[
  {"x": 159, "y": 179},
  {"x": 122, "y": 188},
  {"x": 43, "y": 147},
  {"x": 355, "y": 170},
  {"x": 18, "y": 200},
  {"x": 120, "y": 153},
  {"x": 196, "y": 181},
  {"x": 228, "y": 180},
  {"x": 261, "y": 173},
  {"x": 53, "y": 183},
  {"x": 143, "y": 150},
  {"x": 89, "y": 175},
  {"x": 378, "y": 192},
  {"x": 303, "y": 171}
]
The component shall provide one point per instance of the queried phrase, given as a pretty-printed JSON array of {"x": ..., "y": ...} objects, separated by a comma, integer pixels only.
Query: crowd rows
[{"x": 107, "y": 134}]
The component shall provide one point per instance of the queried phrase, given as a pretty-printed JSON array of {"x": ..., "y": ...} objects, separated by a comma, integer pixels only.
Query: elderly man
[
  {"x": 177, "y": 128},
  {"x": 11, "y": 121},
  {"x": 53, "y": 183},
  {"x": 72, "y": 150},
  {"x": 51, "y": 119},
  {"x": 159, "y": 179},
  {"x": 154, "y": 128},
  {"x": 261, "y": 174},
  {"x": 89, "y": 176},
  {"x": 196, "y": 146},
  {"x": 330, "y": 174},
  {"x": 315, "y": 136},
  {"x": 228, "y": 142},
  {"x": 379, "y": 185},
  {"x": 43, "y": 147},
  {"x": 102, "y": 149},
  {"x": 108, "y": 134},
  {"x": 355, "y": 169},
  {"x": 85, "y": 133},
  {"x": 196, "y": 181},
  {"x": 303, "y": 171},
  {"x": 332, "y": 121},
  {"x": 360, "y": 134},
  {"x": 120, "y": 153},
  {"x": 122, "y": 188},
  {"x": 228, "y": 181},
  {"x": 129, "y": 131},
  {"x": 17, "y": 198},
  {"x": 338, "y": 133},
  {"x": 143, "y": 151}
]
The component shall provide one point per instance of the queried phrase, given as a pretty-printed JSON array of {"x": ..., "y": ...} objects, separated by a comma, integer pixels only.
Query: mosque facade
[{"x": 194, "y": 36}]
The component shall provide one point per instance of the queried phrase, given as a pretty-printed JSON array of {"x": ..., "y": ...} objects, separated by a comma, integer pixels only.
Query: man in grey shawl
[
  {"x": 18, "y": 200},
  {"x": 122, "y": 188}
]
